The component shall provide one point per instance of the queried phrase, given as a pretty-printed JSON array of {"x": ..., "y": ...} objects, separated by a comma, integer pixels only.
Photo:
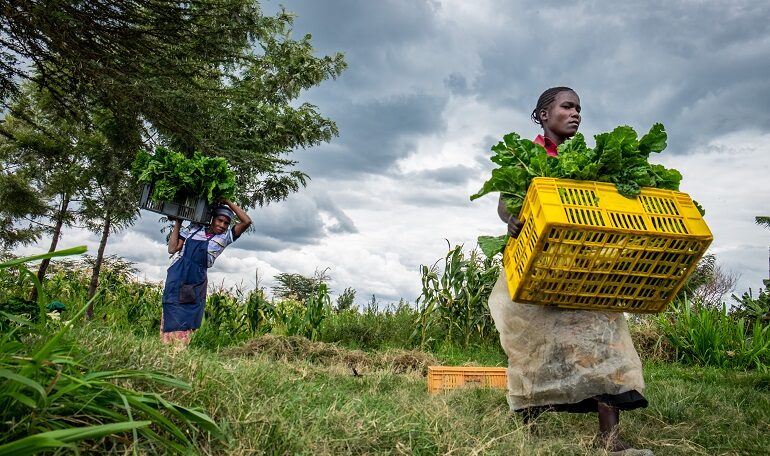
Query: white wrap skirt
[{"x": 566, "y": 360}]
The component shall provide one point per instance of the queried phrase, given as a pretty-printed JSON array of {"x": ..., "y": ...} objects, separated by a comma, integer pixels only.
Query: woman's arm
[
  {"x": 243, "y": 217},
  {"x": 174, "y": 243},
  {"x": 514, "y": 224}
]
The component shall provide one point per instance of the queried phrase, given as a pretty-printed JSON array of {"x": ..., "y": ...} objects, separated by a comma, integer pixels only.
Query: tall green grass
[
  {"x": 712, "y": 337},
  {"x": 275, "y": 405},
  {"x": 50, "y": 398}
]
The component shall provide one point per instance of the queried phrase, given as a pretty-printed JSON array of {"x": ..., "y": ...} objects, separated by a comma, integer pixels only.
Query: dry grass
[
  {"x": 299, "y": 349},
  {"x": 649, "y": 340}
]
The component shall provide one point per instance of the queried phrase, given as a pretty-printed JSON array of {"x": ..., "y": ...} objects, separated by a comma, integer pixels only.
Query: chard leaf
[
  {"x": 668, "y": 179},
  {"x": 654, "y": 140},
  {"x": 618, "y": 157},
  {"x": 610, "y": 159},
  {"x": 629, "y": 189},
  {"x": 492, "y": 245},
  {"x": 504, "y": 180}
]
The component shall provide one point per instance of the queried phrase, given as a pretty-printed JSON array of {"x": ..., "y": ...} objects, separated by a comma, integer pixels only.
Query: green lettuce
[
  {"x": 619, "y": 157},
  {"x": 172, "y": 175}
]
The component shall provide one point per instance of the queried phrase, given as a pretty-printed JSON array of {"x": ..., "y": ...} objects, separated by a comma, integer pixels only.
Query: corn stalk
[
  {"x": 456, "y": 298},
  {"x": 317, "y": 308}
]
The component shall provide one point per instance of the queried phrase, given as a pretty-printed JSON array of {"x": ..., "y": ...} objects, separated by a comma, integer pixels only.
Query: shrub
[{"x": 372, "y": 328}]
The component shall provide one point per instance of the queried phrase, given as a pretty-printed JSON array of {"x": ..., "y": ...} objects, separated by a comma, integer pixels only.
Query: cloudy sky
[{"x": 432, "y": 85}]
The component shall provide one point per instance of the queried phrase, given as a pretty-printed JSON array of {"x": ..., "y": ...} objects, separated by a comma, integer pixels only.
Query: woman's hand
[
  {"x": 243, "y": 218},
  {"x": 514, "y": 226}
]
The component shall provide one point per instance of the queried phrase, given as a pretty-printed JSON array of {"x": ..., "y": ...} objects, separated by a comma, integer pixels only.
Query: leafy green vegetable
[
  {"x": 619, "y": 157},
  {"x": 173, "y": 175},
  {"x": 491, "y": 245}
]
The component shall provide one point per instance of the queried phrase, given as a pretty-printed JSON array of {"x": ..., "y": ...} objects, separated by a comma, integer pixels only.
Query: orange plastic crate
[
  {"x": 441, "y": 378},
  {"x": 585, "y": 246}
]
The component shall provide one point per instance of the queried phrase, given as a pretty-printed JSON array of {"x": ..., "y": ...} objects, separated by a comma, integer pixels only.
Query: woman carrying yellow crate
[{"x": 558, "y": 359}]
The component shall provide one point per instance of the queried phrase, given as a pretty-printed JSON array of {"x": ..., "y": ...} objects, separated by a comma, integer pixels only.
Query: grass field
[{"x": 275, "y": 399}]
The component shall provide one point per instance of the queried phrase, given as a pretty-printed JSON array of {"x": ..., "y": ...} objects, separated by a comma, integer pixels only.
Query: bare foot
[{"x": 611, "y": 442}]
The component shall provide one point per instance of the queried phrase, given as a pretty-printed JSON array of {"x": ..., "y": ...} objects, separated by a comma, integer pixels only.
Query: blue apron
[{"x": 184, "y": 296}]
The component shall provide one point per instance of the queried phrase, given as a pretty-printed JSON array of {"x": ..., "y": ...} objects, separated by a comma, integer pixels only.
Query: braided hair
[{"x": 545, "y": 101}]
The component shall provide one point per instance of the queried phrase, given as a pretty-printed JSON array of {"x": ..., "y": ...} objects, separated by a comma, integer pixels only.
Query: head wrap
[{"x": 222, "y": 210}]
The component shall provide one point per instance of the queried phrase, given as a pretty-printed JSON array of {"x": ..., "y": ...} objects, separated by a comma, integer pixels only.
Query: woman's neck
[{"x": 556, "y": 139}]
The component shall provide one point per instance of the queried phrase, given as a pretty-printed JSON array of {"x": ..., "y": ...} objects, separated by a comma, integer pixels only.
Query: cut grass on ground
[{"x": 274, "y": 404}]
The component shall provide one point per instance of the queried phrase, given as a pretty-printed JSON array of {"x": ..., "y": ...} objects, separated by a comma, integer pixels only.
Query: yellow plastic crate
[
  {"x": 441, "y": 378},
  {"x": 585, "y": 246}
]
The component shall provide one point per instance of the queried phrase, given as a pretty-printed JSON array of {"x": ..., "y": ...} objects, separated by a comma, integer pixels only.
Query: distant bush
[{"x": 372, "y": 328}]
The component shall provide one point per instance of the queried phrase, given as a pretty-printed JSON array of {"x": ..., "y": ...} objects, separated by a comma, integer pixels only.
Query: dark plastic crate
[{"x": 194, "y": 209}]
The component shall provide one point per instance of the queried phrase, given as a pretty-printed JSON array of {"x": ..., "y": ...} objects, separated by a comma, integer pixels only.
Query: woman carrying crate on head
[
  {"x": 195, "y": 248},
  {"x": 558, "y": 359}
]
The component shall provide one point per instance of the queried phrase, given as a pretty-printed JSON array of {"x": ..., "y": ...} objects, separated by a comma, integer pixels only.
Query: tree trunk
[
  {"x": 65, "y": 202},
  {"x": 98, "y": 265}
]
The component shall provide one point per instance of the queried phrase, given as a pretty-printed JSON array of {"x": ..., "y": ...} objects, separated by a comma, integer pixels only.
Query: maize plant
[
  {"x": 224, "y": 314},
  {"x": 456, "y": 298},
  {"x": 290, "y": 315},
  {"x": 259, "y": 312},
  {"x": 317, "y": 308}
]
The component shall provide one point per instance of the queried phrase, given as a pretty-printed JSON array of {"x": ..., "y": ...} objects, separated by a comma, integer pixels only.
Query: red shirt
[{"x": 550, "y": 146}]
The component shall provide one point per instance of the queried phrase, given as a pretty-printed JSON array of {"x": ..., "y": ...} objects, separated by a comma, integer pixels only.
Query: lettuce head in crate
[{"x": 173, "y": 175}]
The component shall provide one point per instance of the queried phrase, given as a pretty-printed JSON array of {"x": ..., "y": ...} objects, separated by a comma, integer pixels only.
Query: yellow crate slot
[{"x": 585, "y": 246}]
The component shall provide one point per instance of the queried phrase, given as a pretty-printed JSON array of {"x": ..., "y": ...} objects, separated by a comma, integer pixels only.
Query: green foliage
[
  {"x": 711, "y": 337},
  {"x": 373, "y": 328},
  {"x": 18, "y": 200},
  {"x": 317, "y": 308},
  {"x": 44, "y": 161},
  {"x": 456, "y": 298},
  {"x": 172, "y": 175},
  {"x": 290, "y": 317},
  {"x": 346, "y": 300},
  {"x": 618, "y": 157},
  {"x": 211, "y": 75},
  {"x": 492, "y": 245},
  {"x": 753, "y": 309},
  {"x": 52, "y": 399},
  {"x": 20, "y": 306},
  {"x": 224, "y": 314},
  {"x": 259, "y": 312},
  {"x": 297, "y": 286},
  {"x": 49, "y": 388},
  {"x": 123, "y": 301}
]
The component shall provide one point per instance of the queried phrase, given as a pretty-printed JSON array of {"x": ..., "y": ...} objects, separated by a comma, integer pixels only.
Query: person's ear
[{"x": 543, "y": 115}]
